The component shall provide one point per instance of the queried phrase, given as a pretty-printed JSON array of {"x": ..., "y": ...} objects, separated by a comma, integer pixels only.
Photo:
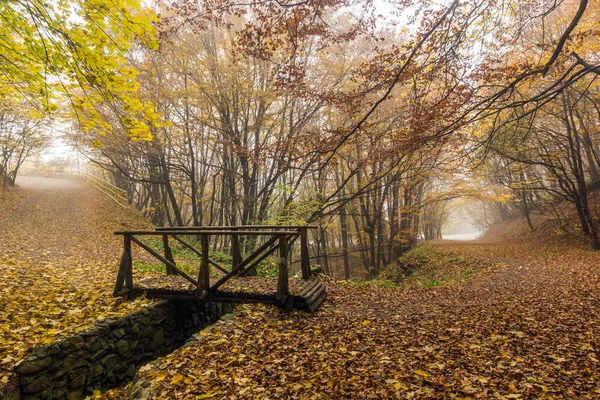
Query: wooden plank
[
  {"x": 240, "y": 300},
  {"x": 315, "y": 305},
  {"x": 308, "y": 294},
  {"x": 155, "y": 294},
  {"x": 259, "y": 260},
  {"x": 263, "y": 256},
  {"x": 129, "y": 263},
  {"x": 187, "y": 232},
  {"x": 289, "y": 303},
  {"x": 195, "y": 250},
  {"x": 120, "y": 196},
  {"x": 124, "y": 265},
  {"x": 236, "y": 254},
  {"x": 309, "y": 287},
  {"x": 314, "y": 295},
  {"x": 282, "y": 280},
  {"x": 225, "y": 228},
  {"x": 164, "y": 260}
]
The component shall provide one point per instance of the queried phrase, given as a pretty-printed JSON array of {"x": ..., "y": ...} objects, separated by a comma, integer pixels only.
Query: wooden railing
[
  {"x": 280, "y": 239},
  {"x": 119, "y": 195}
]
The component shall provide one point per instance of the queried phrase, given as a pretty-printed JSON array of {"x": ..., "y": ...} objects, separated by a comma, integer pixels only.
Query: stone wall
[{"x": 110, "y": 354}]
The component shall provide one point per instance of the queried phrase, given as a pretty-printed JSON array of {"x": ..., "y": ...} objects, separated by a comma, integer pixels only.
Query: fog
[{"x": 459, "y": 227}]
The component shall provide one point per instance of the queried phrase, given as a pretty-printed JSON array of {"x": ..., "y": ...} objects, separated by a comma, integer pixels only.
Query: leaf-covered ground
[
  {"x": 523, "y": 324},
  {"x": 58, "y": 258},
  {"x": 530, "y": 329}
]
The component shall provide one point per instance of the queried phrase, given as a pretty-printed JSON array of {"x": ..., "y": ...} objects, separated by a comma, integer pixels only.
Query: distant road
[
  {"x": 462, "y": 236},
  {"x": 43, "y": 183}
]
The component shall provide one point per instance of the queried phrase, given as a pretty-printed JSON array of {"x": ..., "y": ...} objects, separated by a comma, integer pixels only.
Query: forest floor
[
  {"x": 523, "y": 324},
  {"x": 526, "y": 327},
  {"x": 58, "y": 260}
]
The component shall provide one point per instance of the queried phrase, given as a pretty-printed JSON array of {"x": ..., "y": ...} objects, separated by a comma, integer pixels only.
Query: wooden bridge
[{"x": 232, "y": 284}]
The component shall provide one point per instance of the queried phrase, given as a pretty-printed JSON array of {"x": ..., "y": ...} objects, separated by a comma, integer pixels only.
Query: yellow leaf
[
  {"x": 176, "y": 379},
  {"x": 160, "y": 376},
  {"x": 366, "y": 322}
]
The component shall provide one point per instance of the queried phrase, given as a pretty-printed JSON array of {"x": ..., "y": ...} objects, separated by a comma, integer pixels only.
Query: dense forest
[
  {"x": 364, "y": 119},
  {"x": 367, "y": 125}
]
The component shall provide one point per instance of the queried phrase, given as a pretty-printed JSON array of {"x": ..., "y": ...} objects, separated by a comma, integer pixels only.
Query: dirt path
[
  {"x": 528, "y": 330},
  {"x": 57, "y": 219},
  {"x": 58, "y": 262}
]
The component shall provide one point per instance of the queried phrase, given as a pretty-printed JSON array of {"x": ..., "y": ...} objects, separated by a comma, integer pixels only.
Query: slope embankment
[{"x": 58, "y": 258}]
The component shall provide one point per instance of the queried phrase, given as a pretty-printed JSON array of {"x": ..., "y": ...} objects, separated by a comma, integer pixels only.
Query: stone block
[
  {"x": 118, "y": 333},
  {"x": 97, "y": 370},
  {"x": 55, "y": 351},
  {"x": 58, "y": 393},
  {"x": 72, "y": 343},
  {"x": 33, "y": 365},
  {"x": 109, "y": 361},
  {"x": 40, "y": 351},
  {"x": 157, "y": 338},
  {"x": 122, "y": 346},
  {"x": 135, "y": 331},
  {"x": 74, "y": 362},
  {"x": 131, "y": 371},
  {"x": 98, "y": 354},
  {"x": 79, "y": 380},
  {"x": 95, "y": 344},
  {"x": 38, "y": 384},
  {"x": 75, "y": 395}
]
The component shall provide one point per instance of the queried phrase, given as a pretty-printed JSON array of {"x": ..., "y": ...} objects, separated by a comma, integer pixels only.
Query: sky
[{"x": 58, "y": 149}]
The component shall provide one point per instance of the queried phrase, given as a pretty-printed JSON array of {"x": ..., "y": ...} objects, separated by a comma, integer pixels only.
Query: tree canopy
[{"x": 77, "y": 52}]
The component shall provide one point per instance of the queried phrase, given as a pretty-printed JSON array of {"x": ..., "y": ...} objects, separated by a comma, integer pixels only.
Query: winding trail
[
  {"x": 527, "y": 330},
  {"x": 57, "y": 219},
  {"x": 58, "y": 262}
]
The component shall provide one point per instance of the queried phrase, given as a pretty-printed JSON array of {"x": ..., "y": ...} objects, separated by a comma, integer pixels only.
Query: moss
[
  {"x": 428, "y": 266},
  {"x": 189, "y": 262}
]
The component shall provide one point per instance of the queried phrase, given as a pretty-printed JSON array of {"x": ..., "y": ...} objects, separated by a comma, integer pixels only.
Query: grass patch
[
  {"x": 152, "y": 267},
  {"x": 189, "y": 262},
  {"x": 427, "y": 266}
]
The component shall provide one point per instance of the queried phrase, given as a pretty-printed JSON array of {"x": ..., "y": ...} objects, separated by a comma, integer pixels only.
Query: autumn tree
[
  {"x": 23, "y": 131},
  {"x": 77, "y": 50}
]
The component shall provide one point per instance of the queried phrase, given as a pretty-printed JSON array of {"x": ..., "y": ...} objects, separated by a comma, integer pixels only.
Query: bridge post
[
  {"x": 282, "y": 282},
  {"x": 204, "y": 273},
  {"x": 304, "y": 258},
  {"x": 168, "y": 254},
  {"x": 125, "y": 274},
  {"x": 236, "y": 255}
]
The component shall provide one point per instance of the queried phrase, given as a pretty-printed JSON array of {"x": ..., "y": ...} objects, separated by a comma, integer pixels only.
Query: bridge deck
[{"x": 307, "y": 294}]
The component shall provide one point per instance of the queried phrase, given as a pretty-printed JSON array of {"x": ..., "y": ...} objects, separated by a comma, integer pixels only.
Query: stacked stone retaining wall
[{"x": 110, "y": 354}]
